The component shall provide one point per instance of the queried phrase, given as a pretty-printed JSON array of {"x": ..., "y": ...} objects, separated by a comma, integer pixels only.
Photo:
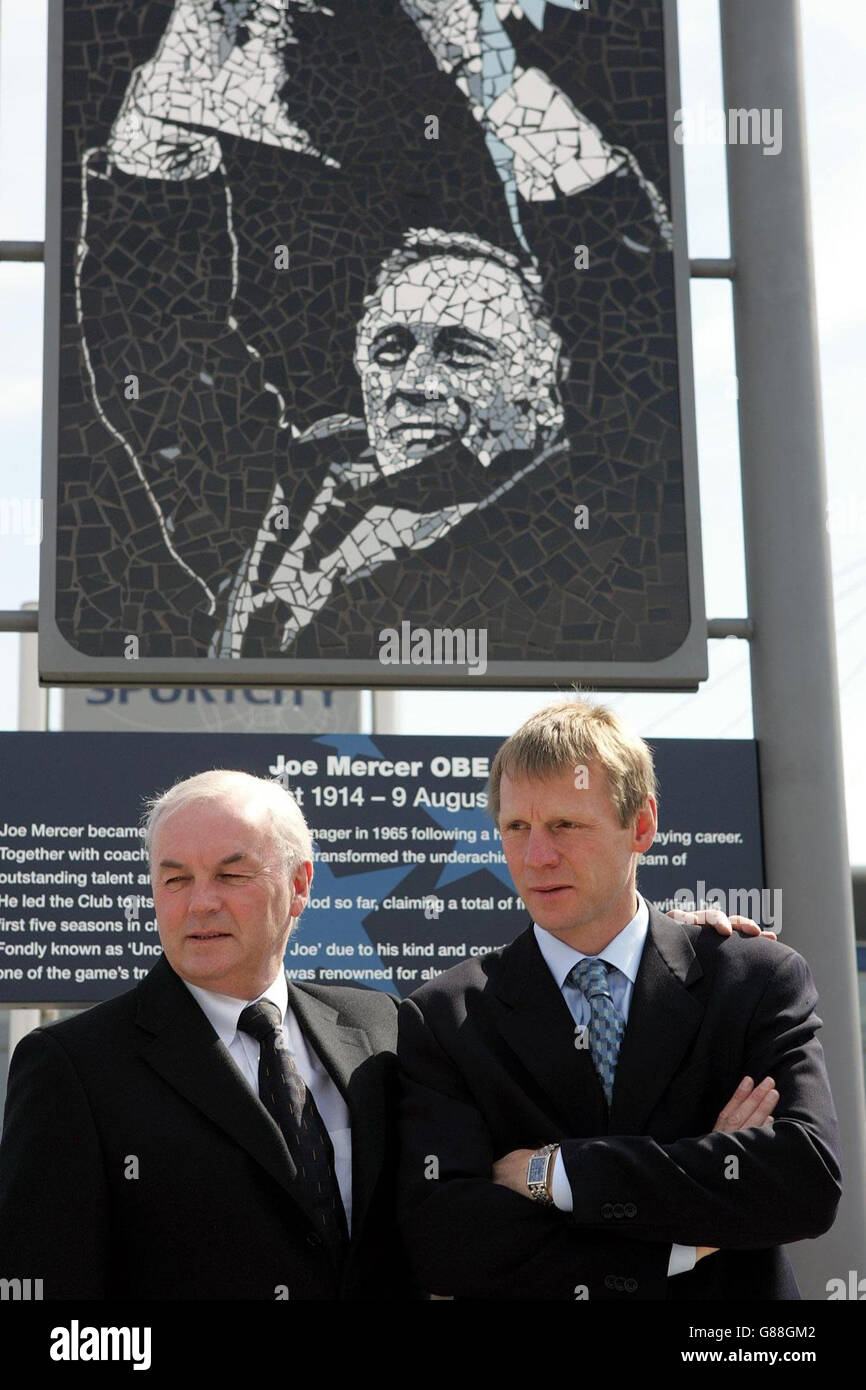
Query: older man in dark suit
[
  {"x": 581, "y": 1117},
  {"x": 218, "y": 1132}
]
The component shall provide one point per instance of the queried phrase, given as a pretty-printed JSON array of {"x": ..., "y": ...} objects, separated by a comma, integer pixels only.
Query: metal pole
[
  {"x": 22, "y": 250},
  {"x": 32, "y": 699},
  {"x": 19, "y": 619},
  {"x": 386, "y": 705},
  {"x": 793, "y": 657},
  {"x": 32, "y": 715},
  {"x": 709, "y": 268},
  {"x": 32, "y": 703}
]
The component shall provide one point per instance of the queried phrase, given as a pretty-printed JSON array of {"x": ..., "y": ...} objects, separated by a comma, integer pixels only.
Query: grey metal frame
[
  {"x": 61, "y": 664},
  {"x": 793, "y": 655}
]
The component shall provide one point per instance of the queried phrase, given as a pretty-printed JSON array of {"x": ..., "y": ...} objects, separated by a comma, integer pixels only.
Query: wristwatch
[{"x": 538, "y": 1172}]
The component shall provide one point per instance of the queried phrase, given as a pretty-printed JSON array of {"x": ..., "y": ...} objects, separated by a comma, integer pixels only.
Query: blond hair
[{"x": 571, "y": 734}]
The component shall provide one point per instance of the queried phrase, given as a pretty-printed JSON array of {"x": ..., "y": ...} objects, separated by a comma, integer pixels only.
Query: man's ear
[
  {"x": 645, "y": 825},
  {"x": 302, "y": 883}
]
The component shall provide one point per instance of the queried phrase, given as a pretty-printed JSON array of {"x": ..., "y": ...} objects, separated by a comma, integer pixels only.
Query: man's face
[
  {"x": 450, "y": 353},
  {"x": 572, "y": 862},
  {"x": 224, "y": 900}
]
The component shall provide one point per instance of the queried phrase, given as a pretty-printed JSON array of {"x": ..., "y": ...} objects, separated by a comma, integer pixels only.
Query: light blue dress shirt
[{"x": 624, "y": 954}]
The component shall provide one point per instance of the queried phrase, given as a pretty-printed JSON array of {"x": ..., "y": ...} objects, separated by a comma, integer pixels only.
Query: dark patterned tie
[
  {"x": 290, "y": 1103},
  {"x": 606, "y": 1024}
]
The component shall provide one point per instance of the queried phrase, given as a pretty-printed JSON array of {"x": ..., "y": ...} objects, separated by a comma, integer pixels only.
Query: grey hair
[
  {"x": 287, "y": 823},
  {"x": 422, "y": 243}
]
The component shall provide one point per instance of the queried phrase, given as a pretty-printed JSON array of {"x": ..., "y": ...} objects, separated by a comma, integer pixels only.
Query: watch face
[{"x": 537, "y": 1168}]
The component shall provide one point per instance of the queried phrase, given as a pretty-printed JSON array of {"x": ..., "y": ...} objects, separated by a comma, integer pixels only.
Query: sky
[{"x": 834, "y": 36}]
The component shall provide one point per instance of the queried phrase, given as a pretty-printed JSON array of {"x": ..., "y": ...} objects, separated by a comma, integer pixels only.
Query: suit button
[
  {"x": 620, "y": 1283},
  {"x": 609, "y": 1281},
  {"x": 630, "y": 1285},
  {"x": 618, "y": 1209},
  {"x": 313, "y": 1239},
  {"x": 607, "y": 1211},
  {"x": 630, "y": 1209}
]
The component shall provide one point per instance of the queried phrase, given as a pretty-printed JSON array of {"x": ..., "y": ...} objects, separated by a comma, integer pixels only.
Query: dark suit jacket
[
  {"x": 540, "y": 605},
  {"x": 489, "y": 1064},
  {"x": 211, "y": 1209}
]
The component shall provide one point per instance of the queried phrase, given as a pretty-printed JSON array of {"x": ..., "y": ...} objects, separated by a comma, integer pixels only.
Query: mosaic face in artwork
[{"x": 368, "y": 317}]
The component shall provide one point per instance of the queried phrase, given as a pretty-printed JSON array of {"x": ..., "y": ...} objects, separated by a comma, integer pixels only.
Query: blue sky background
[{"x": 835, "y": 61}]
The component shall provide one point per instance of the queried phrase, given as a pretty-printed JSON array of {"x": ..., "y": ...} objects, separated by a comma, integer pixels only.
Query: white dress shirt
[
  {"x": 223, "y": 1012},
  {"x": 624, "y": 954}
]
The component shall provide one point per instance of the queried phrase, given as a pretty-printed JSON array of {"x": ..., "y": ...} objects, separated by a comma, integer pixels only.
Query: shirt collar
[
  {"x": 623, "y": 952},
  {"x": 223, "y": 1011}
]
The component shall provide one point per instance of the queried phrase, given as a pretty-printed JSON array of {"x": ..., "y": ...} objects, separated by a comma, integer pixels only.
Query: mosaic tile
[{"x": 361, "y": 302}]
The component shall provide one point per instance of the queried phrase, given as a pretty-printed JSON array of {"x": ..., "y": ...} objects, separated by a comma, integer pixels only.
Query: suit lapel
[
  {"x": 538, "y": 1027},
  {"x": 183, "y": 1048},
  {"x": 342, "y": 1050},
  {"x": 663, "y": 1018}
]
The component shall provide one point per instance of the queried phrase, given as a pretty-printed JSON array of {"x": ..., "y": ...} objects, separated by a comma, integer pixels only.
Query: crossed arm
[
  {"x": 473, "y": 1235},
  {"x": 473, "y": 1238},
  {"x": 788, "y": 1181},
  {"x": 751, "y": 1106}
]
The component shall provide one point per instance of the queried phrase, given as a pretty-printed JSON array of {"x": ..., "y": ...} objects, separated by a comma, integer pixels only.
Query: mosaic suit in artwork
[{"x": 368, "y": 316}]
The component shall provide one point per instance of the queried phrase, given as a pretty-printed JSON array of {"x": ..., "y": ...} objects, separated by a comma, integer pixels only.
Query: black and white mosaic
[{"x": 368, "y": 316}]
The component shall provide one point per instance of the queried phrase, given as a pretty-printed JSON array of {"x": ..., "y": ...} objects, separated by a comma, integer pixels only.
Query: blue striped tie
[{"x": 606, "y": 1024}]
